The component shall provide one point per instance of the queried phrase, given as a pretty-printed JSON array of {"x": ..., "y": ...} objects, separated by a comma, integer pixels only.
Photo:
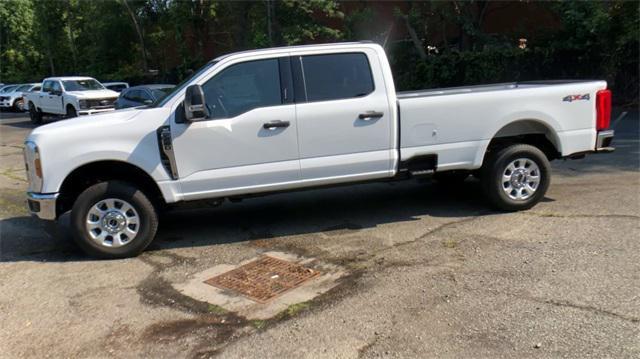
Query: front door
[
  {"x": 249, "y": 143},
  {"x": 344, "y": 119}
]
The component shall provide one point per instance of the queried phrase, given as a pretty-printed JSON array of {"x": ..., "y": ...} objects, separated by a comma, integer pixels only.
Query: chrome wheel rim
[
  {"x": 521, "y": 179},
  {"x": 112, "y": 222}
]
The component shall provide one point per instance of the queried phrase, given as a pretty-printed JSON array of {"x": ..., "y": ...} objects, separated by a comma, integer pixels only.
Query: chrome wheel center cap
[
  {"x": 114, "y": 222},
  {"x": 518, "y": 178}
]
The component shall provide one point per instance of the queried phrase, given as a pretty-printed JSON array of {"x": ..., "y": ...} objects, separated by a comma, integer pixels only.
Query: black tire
[
  {"x": 71, "y": 112},
  {"x": 34, "y": 114},
  {"x": 146, "y": 213},
  {"x": 495, "y": 189}
]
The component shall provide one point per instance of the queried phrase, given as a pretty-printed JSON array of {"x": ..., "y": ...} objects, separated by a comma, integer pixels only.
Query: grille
[{"x": 101, "y": 103}]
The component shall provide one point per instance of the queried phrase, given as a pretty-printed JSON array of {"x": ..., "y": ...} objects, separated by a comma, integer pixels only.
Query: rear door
[
  {"x": 249, "y": 143},
  {"x": 343, "y": 114}
]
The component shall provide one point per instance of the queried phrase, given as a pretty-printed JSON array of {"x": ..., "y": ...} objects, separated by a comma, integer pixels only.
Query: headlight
[
  {"x": 33, "y": 166},
  {"x": 83, "y": 104}
]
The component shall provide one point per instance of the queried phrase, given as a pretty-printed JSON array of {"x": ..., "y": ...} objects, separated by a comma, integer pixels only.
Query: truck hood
[
  {"x": 93, "y": 94},
  {"x": 98, "y": 123}
]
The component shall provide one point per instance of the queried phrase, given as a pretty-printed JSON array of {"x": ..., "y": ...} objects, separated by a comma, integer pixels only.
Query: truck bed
[{"x": 484, "y": 88}]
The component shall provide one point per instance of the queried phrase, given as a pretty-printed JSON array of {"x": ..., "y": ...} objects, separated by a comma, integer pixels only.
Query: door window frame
[
  {"x": 287, "y": 92},
  {"x": 300, "y": 85}
]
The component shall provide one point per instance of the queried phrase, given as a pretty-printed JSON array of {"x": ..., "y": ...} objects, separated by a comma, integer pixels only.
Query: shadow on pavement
[{"x": 300, "y": 213}]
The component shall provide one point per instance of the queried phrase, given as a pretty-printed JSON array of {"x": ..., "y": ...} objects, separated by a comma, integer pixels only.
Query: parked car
[
  {"x": 142, "y": 95},
  {"x": 13, "y": 99},
  {"x": 274, "y": 120},
  {"x": 70, "y": 97},
  {"x": 7, "y": 88},
  {"x": 116, "y": 86},
  {"x": 24, "y": 104}
]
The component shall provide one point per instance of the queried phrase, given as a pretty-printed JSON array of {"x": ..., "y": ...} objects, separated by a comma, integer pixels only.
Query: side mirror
[
  {"x": 195, "y": 108},
  {"x": 147, "y": 102}
]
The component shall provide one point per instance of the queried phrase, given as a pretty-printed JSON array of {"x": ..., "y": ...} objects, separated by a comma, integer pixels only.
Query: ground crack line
[{"x": 556, "y": 215}]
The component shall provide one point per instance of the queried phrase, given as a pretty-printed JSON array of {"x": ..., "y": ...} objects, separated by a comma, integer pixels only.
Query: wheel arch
[
  {"x": 529, "y": 131},
  {"x": 88, "y": 174}
]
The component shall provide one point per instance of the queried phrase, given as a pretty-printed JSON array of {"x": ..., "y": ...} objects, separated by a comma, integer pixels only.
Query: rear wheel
[
  {"x": 34, "y": 114},
  {"x": 516, "y": 177},
  {"x": 113, "y": 219},
  {"x": 71, "y": 112}
]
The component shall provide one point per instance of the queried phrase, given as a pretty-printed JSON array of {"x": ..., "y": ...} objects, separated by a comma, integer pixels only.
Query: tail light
[{"x": 603, "y": 109}]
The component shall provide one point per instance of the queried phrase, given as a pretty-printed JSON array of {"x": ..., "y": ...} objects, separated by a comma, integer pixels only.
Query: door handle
[
  {"x": 275, "y": 124},
  {"x": 370, "y": 115}
]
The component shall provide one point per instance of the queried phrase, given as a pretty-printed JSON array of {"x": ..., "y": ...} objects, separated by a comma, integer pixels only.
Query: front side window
[
  {"x": 243, "y": 87},
  {"x": 82, "y": 85},
  {"x": 337, "y": 76},
  {"x": 55, "y": 86},
  {"x": 46, "y": 86}
]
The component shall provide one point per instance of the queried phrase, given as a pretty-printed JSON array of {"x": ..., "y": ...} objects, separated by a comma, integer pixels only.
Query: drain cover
[{"x": 264, "y": 278}]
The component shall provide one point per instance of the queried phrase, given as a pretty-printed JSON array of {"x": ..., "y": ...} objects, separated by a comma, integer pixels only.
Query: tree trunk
[
  {"x": 143, "y": 49},
  {"x": 415, "y": 39}
]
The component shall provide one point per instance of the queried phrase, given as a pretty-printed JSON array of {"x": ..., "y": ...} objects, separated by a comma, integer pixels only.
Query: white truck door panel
[
  {"x": 249, "y": 142},
  {"x": 344, "y": 124}
]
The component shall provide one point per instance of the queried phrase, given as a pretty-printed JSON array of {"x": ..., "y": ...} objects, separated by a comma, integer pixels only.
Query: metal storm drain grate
[{"x": 264, "y": 278}]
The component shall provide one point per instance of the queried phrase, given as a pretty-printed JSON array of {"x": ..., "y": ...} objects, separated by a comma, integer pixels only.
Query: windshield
[
  {"x": 160, "y": 93},
  {"x": 22, "y": 88},
  {"x": 184, "y": 84},
  {"x": 82, "y": 85},
  {"x": 7, "y": 89}
]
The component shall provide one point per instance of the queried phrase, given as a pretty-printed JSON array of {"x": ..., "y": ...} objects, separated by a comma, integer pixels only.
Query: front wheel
[
  {"x": 71, "y": 112},
  {"x": 113, "y": 219},
  {"x": 516, "y": 177},
  {"x": 34, "y": 114}
]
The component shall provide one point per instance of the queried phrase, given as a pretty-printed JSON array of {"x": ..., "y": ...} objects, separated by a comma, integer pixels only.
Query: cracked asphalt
[{"x": 433, "y": 272}]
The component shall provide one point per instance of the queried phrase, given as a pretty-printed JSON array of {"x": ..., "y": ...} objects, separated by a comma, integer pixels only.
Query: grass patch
[
  {"x": 259, "y": 324},
  {"x": 294, "y": 309},
  {"x": 216, "y": 309},
  {"x": 449, "y": 243}
]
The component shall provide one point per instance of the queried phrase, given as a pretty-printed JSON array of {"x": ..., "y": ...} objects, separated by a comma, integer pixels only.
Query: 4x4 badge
[{"x": 572, "y": 98}]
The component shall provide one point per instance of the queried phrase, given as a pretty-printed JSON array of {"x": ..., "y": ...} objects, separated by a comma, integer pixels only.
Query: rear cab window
[{"x": 336, "y": 76}]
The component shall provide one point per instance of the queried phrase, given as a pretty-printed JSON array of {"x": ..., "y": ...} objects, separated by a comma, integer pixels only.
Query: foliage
[{"x": 164, "y": 40}]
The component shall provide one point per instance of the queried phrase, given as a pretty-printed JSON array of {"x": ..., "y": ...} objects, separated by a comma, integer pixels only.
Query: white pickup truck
[
  {"x": 69, "y": 97},
  {"x": 273, "y": 120}
]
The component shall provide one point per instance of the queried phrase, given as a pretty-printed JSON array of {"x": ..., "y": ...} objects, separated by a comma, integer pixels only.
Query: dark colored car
[{"x": 142, "y": 95}]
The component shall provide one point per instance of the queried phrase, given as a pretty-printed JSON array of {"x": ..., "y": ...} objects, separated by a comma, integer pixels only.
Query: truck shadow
[{"x": 354, "y": 207}]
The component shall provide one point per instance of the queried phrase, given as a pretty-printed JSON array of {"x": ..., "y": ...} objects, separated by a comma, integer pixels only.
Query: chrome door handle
[
  {"x": 271, "y": 126},
  {"x": 370, "y": 115}
]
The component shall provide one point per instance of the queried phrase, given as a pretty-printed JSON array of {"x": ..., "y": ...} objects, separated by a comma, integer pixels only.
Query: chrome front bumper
[
  {"x": 94, "y": 111},
  {"x": 603, "y": 141},
  {"x": 42, "y": 205}
]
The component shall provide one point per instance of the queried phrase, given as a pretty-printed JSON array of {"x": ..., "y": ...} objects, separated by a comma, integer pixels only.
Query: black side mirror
[{"x": 195, "y": 108}]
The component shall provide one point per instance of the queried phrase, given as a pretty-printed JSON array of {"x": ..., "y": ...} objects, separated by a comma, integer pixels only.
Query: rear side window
[
  {"x": 337, "y": 76},
  {"x": 243, "y": 87}
]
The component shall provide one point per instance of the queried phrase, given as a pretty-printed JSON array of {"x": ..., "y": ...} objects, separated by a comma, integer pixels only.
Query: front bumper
[
  {"x": 94, "y": 111},
  {"x": 42, "y": 205},
  {"x": 603, "y": 141},
  {"x": 5, "y": 104}
]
